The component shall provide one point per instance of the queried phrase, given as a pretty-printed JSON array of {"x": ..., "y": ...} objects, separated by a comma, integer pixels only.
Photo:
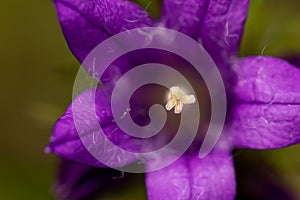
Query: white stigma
[{"x": 177, "y": 98}]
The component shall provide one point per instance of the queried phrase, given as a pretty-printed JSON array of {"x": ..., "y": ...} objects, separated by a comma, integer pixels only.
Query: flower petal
[
  {"x": 223, "y": 27},
  {"x": 87, "y": 23},
  {"x": 267, "y": 80},
  {"x": 219, "y": 24},
  {"x": 266, "y": 126},
  {"x": 193, "y": 178},
  {"x": 267, "y": 114},
  {"x": 68, "y": 143},
  {"x": 185, "y": 16}
]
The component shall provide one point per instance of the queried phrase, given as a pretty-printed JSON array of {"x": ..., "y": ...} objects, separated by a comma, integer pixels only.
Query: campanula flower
[{"x": 263, "y": 92}]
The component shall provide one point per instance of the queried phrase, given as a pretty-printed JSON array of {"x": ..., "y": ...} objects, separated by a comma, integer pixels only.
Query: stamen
[{"x": 177, "y": 98}]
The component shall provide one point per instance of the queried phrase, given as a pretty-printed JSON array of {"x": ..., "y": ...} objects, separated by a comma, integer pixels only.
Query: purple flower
[{"x": 264, "y": 92}]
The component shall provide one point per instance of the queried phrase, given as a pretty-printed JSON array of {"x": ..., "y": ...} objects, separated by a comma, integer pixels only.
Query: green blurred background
[{"x": 38, "y": 71}]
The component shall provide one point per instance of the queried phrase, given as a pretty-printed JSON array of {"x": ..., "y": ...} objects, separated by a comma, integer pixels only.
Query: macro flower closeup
[{"x": 263, "y": 95}]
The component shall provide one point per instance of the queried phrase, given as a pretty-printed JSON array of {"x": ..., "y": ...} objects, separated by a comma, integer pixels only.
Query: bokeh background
[{"x": 37, "y": 74}]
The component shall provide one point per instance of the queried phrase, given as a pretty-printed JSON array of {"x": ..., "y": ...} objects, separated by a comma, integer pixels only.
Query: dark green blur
[{"x": 37, "y": 76}]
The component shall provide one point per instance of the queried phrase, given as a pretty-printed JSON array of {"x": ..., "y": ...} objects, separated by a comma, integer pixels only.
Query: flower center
[{"x": 176, "y": 99}]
